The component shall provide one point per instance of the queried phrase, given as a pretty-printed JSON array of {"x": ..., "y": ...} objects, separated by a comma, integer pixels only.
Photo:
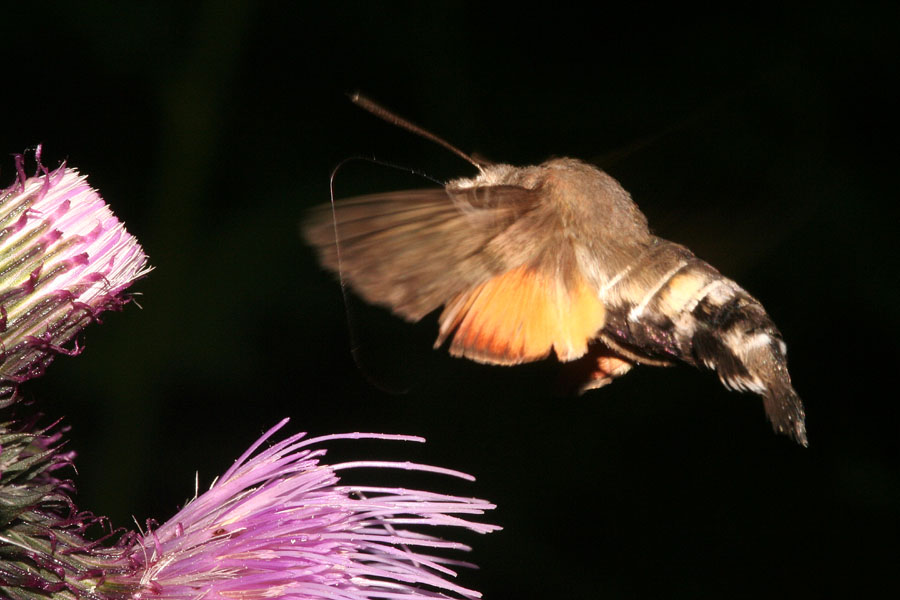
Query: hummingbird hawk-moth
[{"x": 557, "y": 258}]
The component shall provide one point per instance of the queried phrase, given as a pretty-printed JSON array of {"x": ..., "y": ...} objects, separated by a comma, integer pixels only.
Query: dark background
[{"x": 760, "y": 137}]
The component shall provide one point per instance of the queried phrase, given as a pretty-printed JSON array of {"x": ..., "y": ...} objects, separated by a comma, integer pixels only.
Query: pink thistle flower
[
  {"x": 277, "y": 524},
  {"x": 64, "y": 259},
  {"x": 280, "y": 525}
]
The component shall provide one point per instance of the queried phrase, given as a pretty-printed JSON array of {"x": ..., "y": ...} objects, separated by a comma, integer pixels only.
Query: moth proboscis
[{"x": 557, "y": 258}]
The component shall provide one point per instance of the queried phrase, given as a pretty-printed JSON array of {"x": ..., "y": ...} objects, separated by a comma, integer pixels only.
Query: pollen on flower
[
  {"x": 279, "y": 524},
  {"x": 64, "y": 259}
]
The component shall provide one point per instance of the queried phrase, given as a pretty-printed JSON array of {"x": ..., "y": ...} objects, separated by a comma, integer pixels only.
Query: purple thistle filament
[{"x": 278, "y": 524}]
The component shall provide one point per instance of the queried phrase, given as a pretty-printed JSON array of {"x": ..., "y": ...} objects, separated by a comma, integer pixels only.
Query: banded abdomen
[{"x": 669, "y": 305}]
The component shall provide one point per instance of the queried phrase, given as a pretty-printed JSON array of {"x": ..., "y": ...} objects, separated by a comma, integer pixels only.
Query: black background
[{"x": 760, "y": 137}]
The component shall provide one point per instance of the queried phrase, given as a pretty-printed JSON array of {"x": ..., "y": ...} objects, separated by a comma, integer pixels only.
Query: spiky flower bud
[{"x": 64, "y": 259}]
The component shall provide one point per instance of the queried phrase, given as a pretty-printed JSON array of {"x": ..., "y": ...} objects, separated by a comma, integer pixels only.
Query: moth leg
[
  {"x": 606, "y": 368},
  {"x": 594, "y": 370},
  {"x": 622, "y": 352}
]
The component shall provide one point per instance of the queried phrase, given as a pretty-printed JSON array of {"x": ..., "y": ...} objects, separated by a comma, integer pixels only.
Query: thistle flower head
[
  {"x": 280, "y": 525},
  {"x": 64, "y": 258}
]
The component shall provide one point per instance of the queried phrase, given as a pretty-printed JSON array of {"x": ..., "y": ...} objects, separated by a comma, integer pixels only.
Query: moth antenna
[{"x": 394, "y": 119}]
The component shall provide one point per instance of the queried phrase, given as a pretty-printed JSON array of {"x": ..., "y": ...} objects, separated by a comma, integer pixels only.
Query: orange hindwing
[{"x": 520, "y": 316}]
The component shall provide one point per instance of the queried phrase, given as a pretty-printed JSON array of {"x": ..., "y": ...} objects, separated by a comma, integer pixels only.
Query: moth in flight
[{"x": 557, "y": 258}]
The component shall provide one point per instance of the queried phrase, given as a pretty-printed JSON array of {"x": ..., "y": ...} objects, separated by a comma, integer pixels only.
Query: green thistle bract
[{"x": 44, "y": 552}]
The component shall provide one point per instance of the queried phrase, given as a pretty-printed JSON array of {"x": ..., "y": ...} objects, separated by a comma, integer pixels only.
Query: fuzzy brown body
[{"x": 554, "y": 257}]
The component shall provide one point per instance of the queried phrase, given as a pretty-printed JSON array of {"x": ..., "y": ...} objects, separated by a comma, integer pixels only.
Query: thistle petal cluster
[
  {"x": 281, "y": 524},
  {"x": 64, "y": 259}
]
